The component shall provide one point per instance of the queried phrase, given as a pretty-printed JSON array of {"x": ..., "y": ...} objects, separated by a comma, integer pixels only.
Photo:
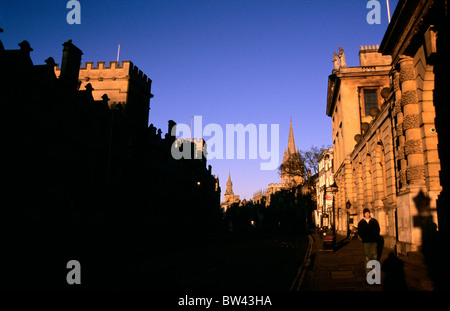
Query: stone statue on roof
[
  {"x": 335, "y": 62},
  {"x": 342, "y": 57}
]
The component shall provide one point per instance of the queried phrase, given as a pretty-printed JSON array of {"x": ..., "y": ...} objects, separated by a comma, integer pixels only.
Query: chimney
[
  {"x": 172, "y": 124},
  {"x": 70, "y": 65},
  {"x": 369, "y": 56},
  {"x": 1, "y": 44},
  {"x": 172, "y": 128}
]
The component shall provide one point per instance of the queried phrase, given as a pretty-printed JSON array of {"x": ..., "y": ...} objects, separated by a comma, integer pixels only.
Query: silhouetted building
[
  {"x": 81, "y": 166},
  {"x": 287, "y": 205},
  {"x": 125, "y": 84}
]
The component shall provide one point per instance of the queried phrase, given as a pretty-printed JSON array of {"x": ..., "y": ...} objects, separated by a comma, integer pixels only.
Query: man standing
[{"x": 369, "y": 232}]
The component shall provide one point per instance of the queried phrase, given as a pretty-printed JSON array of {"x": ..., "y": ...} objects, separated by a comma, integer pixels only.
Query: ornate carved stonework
[
  {"x": 406, "y": 73},
  {"x": 415, "y": 172},
  {"x": 413, "y": 146},
  {"x": 397, "y": 106},
  {"x": 399, "y": 129},
  {"x": 396, "y": 82},
  {"x": 403, "y": 177},
  {"x": 411, "y": 121},
  {"x": 409, "y": 97}
]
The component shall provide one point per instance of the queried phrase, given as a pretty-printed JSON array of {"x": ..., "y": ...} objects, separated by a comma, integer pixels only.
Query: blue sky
[{"x": 230, "y": 61}]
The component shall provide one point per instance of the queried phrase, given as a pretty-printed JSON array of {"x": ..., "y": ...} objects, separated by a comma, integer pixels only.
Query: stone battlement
[
  {"x": 373, "y": 48},
  {"x": 114, "y": 71}
]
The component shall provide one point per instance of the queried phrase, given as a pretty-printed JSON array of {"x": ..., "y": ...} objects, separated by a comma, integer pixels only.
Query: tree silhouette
[
  {"x": 298, "y": 164},
  {"x": 311, "y": 157},
  {"x": 293, "y": 166}
]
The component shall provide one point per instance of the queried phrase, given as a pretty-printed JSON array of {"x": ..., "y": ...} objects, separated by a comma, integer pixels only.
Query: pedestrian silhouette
[{"x": 369, "y": 232}]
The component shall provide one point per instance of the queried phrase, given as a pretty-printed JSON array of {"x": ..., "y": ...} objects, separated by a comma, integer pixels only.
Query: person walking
[{"x": 369, "y": 233}]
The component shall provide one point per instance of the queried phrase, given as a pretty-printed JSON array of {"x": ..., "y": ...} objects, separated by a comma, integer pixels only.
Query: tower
[
  {"x": 229, "y": 194},
  {"x": 125, "y": 85},
  {"x": 230, "y": 198},
  {"x": 290, "y": 151}
]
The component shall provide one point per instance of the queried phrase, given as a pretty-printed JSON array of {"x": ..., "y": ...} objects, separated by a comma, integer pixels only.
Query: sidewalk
[{"x": 343, "y": 269}]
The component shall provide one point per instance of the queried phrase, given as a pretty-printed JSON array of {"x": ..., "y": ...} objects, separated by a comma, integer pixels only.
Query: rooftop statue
[
  {"x": 342, "y": 57},
  {"x": 335, "y": 62}
]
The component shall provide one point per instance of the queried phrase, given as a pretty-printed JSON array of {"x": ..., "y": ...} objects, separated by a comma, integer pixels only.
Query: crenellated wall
[{"x": 123, "y": 82}]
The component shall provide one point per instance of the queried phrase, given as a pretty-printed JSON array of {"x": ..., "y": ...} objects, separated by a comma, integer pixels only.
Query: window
[{"x": 370, "y": 100}]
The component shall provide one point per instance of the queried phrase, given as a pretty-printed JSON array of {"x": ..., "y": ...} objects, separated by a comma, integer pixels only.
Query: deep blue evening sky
[{"x": 233, "y": 61}]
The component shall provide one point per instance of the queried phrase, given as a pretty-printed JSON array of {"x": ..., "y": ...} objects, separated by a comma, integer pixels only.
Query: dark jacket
[{"x": 369, "y": 232}]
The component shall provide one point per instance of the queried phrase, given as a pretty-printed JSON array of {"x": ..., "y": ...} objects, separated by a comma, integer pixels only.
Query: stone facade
[
  {"x": 354, "y": 101},
  {"x": 396, "y": 153},
  {"x": 324, "y": 181},
  {"x": 416, "y": 142}
]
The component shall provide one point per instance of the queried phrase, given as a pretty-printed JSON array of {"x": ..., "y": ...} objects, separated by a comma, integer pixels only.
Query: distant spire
[
  {"x": 229, "y": 190},
  {"x": 291, "y": 141}
]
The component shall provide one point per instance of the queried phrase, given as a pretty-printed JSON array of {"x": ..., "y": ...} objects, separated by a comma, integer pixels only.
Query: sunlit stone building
[
  {"x": 383, "y": 124},
  {"x": 324, "y": 181}
]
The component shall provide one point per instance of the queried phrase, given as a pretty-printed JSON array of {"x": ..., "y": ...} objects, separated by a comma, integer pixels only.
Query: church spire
[
  {"x": 229, "y": 190},
  {"x": 291, "y": 150},
  {"x": 291, "y": 141}
]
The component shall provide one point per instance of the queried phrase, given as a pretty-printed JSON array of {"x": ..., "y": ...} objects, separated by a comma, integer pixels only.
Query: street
[
  {"x": 230, "y": 262},
  {"x": 251, "y": 262}
]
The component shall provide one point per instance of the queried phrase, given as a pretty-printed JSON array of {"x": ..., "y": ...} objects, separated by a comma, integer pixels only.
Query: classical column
[
  {"x": 399, "y": 130},
  {"x": 411, "y": 123},
  {"x": 415, "y": 169}
]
